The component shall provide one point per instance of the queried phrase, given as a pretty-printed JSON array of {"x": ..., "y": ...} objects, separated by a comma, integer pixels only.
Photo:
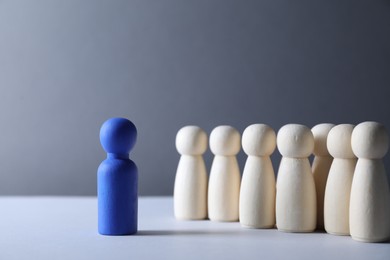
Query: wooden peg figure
[
  {"x": 369, "y": 215},
  {"x": 190, "y": 189},
  {"x": 338, "y": 185},
  {"x": 296, "y": 203},
  {"x": 117, "y": 179},
  {"x": 257, "y": 193},
  {"x": 224, "y": 183},
  {"x": 320, "y": 167}
]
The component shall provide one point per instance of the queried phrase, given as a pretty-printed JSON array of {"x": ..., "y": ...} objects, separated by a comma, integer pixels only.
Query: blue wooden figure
[{"x": 117, "y": 179}]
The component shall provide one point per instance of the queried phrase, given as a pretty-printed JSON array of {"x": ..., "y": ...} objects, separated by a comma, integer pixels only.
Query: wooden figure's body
[
  {"x": 190, "y": 189},
  {"x": 337, "y": 198},
  {"x": 320, "y": 167},
  {"x": 224, "y": 183},
  {"x": 258, "y": 191},
  {"x": 117, "y": 196},
  {"x": 117, "y": 180},
  {"x": 296, "y": 196},
  {"x": 224, "y": 189},
  {"x": 295, "y": 190},
  {"x": 370, "y": 196},
  {"x": 338, "y": 186}
]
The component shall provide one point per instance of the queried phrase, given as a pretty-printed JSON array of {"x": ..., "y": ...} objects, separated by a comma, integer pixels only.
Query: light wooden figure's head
[
  {"x": 370, "y": 140},
  {"x": 225, "y": 140},
  {"x": 295, "y": 141},
  {"x": 339, "y": 141},
  {"x": 320, "y": 133},
  {"x": 191, "y": 140},
  {"x": 259, "y": 140}
]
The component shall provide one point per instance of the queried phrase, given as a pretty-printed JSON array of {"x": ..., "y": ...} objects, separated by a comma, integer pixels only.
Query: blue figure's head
[{"x": 118, "y": 135}]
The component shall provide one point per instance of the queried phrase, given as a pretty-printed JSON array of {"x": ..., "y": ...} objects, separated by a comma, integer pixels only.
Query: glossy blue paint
[{"x": 117, "y": 179}]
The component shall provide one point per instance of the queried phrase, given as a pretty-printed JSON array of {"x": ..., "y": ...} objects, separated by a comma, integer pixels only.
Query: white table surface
[{"x": 66, "y": 228}]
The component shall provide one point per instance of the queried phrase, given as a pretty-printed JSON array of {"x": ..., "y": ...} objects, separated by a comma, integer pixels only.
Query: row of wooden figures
[{"x": 343, "y": 194}]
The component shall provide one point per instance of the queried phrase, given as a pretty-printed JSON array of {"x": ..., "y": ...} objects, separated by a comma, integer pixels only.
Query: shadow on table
[
  {"x": 187, "y": 232},
  {"x": 223, "y": 232}
]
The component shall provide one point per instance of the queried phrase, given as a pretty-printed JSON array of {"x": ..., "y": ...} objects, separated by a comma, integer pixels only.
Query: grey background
[{"x": 67, "y": 66}]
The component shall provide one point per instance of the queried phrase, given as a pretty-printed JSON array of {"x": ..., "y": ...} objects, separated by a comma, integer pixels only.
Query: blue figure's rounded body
[{"x": 117, "y": 180}]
